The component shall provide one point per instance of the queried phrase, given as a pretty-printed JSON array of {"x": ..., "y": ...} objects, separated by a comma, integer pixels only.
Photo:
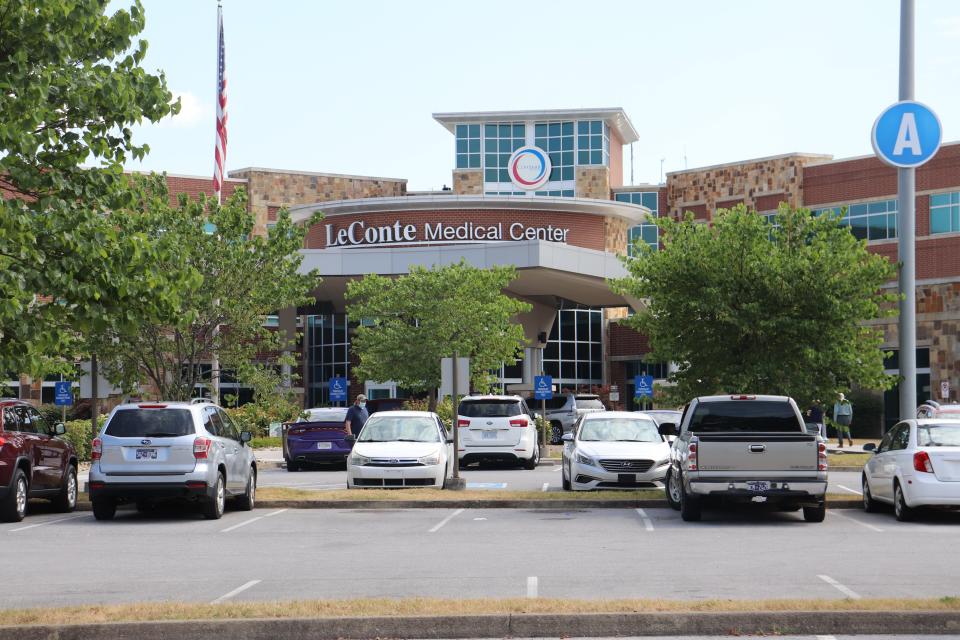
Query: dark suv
[{"x": 34, "y": 462}]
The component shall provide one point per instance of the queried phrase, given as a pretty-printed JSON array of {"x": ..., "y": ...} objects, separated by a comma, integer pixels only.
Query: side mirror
[
  {"x": 869, "y": 447},
  {"x": 567, "y": 437},
  {"x": 245, "y": 436},
  {"x": 668, "y": 429},
  {"x": 59, "y": 429}
]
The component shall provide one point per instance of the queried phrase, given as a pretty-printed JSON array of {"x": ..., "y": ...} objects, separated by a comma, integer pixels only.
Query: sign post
[
  {"x": 63, "y": 397},
  {"x": 906, "y": 135},
  {"x": 543, "y": 391},
  {"x": 643, "y": 389},
  {"x": 338, "y": 389}
]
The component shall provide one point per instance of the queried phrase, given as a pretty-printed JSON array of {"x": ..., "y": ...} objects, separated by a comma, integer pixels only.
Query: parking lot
[{"x": 604, "y": 553}]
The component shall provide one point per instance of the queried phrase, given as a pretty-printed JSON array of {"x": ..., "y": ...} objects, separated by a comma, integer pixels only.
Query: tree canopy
[
  {"x": 71, "y": 84},
  {"x": 408, "y": 323},
  {"x": 230, "y": 278},
  {"x": 747, "y": 305}
]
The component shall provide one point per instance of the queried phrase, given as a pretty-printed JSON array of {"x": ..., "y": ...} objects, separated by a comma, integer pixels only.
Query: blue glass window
[
  {"x": 468, "y": 146},
  {"x": 647, "y": 232},
  {"x": 868, "y": 220},
  {"x": 945, "y": 212},
  {"x": 593, "y": 142}
]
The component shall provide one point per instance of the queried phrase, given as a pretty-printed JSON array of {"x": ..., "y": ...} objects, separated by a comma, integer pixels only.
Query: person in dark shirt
[
  {"x": 356, "y": 415},
  {"x": 815, "y": 416}
]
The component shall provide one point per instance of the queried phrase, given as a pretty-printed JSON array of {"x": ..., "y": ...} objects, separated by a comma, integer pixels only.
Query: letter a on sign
[
  {"x": 908, "y": 138},
  {"x": 906, "y": 134}
]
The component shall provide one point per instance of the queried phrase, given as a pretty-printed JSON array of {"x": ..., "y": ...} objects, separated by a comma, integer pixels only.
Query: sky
[{"x": 350, "y": 87}]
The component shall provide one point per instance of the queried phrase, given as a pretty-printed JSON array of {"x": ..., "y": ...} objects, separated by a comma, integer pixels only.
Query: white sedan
[
  {"x": 614, "y": 450},
  {"x": 916, "y": 465},
  {"x": 398, "y": 449}
]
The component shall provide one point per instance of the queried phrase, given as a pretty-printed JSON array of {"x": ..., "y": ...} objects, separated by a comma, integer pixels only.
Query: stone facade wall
[
  {"x": 615, "y": 235},
  {"x": 273, "y": 189},
  {"x": 468, "y": 182},
  {"x": 593, "y": 182},
  {"x": 747, "y": 181}
]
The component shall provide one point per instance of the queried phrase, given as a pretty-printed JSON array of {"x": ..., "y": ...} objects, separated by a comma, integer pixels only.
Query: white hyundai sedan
[
  {"x": 398, "y": 449},
  {"x": 614, "y": 450},
  {"x": 916, "y": 465}
]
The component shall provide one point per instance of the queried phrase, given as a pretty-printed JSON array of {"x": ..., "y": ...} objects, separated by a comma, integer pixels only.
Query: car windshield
[
  {"x": 490, "y": 408},
  {"x": 938, "y": 435},
  {"x": 589, "y": 402},
  {"x": 150, "y": 423},
  {"x": 664, "y": 416},
  {"x": 620, "y": 430},
  {"x": 752, "y": 416},
  {"x": 325, "y": 415},
  {"x": 399, "y": 429}
]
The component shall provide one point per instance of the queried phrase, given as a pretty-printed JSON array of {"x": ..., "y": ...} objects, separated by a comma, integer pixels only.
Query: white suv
[{"x": 497, "y": 428}]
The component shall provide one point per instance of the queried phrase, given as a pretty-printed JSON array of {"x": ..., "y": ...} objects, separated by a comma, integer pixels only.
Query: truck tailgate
[{"x": 746, "y": 453}]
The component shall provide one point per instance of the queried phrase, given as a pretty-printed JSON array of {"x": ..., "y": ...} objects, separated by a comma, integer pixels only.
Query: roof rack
[{"x": 201, "y": 401}]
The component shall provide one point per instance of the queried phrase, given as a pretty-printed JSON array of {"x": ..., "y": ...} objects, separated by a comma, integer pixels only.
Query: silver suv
[
  {"x": 161, "y": 450},
  {"x": 564, "y": 409}
]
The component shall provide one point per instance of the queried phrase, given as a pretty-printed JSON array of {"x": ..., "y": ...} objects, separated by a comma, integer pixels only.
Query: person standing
[
  {"x": 815, "y": 416},
  {"x": 842, "y": 417},
  {"x": 356, "y": 416}
]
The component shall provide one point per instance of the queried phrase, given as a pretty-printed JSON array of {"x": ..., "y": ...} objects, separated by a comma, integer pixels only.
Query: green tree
[
  {"x": 71, "y": 84},
  {"x": 743, "y": 305},
  {"x": 233, "y": 280},
  {"x": 408, "y": 323}
]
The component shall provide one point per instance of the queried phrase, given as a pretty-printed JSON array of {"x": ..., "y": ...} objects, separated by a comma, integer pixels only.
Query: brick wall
[{"x": 193, "y": 186}]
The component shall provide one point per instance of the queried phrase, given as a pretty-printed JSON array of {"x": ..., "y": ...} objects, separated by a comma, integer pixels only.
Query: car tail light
[
  {"x": 3, "y": 441},
  {"x": 151, "y": 406},
  {"x": 95, "y": 485},
  {"x": 692, "y": 456},
  {"x": 921, "y": 462},
  {"x": 201, "y": 447},
  {"x": 741, "y": 397},
  {"x": 463, "y": 424},
  {"x": 196, "y": 484},
  {"x": 519, "y": 422},
  {"x": 96, "y": 449},
  {"x": 821, "y": 456}
]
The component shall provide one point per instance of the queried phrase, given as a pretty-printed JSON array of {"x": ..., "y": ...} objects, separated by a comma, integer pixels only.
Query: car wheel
[
  {"x": 66, "y": 500},
  {"x": 531, "y": 464},
  {"x": 293, "y": 465},
  {"x": 869, "y": 504},
  {"x": 213, "y": 507},
  {"x": 556, "y": 433},
  {"x": 690, "y": 507},
  {"x": 674, "y": 489},
  {"x": 14, "y": 506},
  {"x": 815, "y": 514},
  {"x": 104, "y": 508},
  {"x": 247, "y": 501},
  {"x": 900, "y": 509}
]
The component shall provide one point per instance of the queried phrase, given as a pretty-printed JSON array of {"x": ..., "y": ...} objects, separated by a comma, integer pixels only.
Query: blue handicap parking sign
[
  {"x": 62, "y": 394},
  {"x": 643, "y": 386},
  {"x": 542, "y": 387},
  {"x": 907, "y": 134},
  {"x": 338, "y": 389}
]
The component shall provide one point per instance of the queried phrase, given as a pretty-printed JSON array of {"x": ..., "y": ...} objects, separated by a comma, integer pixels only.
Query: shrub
[
  {"x": 256, "y": 417},
  {"x": 80, "y": 435},
  {"x": 444, "y": 409}
]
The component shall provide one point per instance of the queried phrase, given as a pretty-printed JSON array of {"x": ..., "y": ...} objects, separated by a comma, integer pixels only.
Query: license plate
[
  {"x": 324, "y": 445},
  {"x": 626, "y": 478},
  {"x": 758, "y": 485},
  {"x": 489, "y": 435},
  {"x": 146, "y": 454}
]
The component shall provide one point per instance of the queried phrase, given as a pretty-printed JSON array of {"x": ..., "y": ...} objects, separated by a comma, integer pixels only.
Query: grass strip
[
  {"x": 385, "y": 607},
  {"x": 848, "y": 459}
]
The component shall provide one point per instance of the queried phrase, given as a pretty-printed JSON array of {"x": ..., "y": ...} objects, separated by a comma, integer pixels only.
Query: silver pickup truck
[{"x": 743, "y": 448}]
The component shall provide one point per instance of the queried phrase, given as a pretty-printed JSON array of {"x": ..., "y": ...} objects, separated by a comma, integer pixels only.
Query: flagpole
[{"x": 220, "y": 158}]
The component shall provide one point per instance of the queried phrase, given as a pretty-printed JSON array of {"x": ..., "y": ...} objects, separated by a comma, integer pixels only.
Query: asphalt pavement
[{"x": 279, "y": 554}]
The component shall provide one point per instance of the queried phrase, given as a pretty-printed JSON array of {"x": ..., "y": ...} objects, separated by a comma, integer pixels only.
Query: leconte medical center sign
[
  {"x": 359, "y": 233},
  {"x": 529, "y": 168}
]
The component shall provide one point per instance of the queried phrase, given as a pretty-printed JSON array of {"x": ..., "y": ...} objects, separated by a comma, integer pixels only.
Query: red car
[{"x": 34, "y": 462}]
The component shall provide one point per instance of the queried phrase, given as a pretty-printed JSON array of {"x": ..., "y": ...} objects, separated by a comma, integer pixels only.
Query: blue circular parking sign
[{"x": 907, "y": 134}]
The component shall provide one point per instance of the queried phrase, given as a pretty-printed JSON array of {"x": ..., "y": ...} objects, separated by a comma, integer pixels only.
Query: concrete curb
[
  {"x": 491, "y": 503},
  {"x": 850, "y": 469},
  {"x": 512, "y": 625}
]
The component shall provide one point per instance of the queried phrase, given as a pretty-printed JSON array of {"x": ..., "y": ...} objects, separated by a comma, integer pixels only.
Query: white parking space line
[
  {"x": 546, "y": 485},
  {"x": 850, "y": 593},
  {"x": 647, "y": 522},
  {"x": 854, "y": 520},
  {"x": 251, "y": 521},
  {"x": 532, "y": 586},
  {"x": 239, "y": 589},
  {"x": 558, "y": 468},
  {"x": 850, "y": 490},
  {"x": 43, "y": 524},
  {"x": 450, "y": 517},
  {"x": 826, "y": 638}
]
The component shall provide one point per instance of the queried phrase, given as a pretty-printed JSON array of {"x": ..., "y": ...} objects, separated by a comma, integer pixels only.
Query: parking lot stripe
[
  {"x": 849, "y": 489},
  {"x": 532, "y": 587},
  {"x": 854, "y": 520},
  {"x": 41, "y": 524},
  {"x": 239, "y": 589},
  {"x": 826, "y": 638},
  {"x": 546, "y": 485},
  {"x": 450, "y": 517},
  {"x": 850, "y": 593},
  {"x": 275, "y": 513},
  {"x": 242, "y": 524},
  {"x": 647, "y": 522}
]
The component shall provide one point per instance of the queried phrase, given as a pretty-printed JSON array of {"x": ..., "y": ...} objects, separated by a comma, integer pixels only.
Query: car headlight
[
  {"x": 359, "y": 460},
  {"x": 430, "y": 460},
  {"x": 582, "y": 459},
  {"x": 662, "y": 463}
]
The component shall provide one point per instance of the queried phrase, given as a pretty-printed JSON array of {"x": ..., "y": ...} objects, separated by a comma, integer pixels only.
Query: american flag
[{"x": 220, "y": 153}]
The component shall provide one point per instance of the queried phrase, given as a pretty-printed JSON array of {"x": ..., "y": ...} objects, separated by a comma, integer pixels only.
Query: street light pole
[{"x": 906, "y": 194}]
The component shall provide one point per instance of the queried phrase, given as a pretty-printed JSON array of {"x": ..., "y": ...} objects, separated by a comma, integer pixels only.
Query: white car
[
  {"x": 401, "y": 449},
  {"x": 614, "y": 450},
  {"x": 916, "y": 465},
  {"x": 497, "y": 428}
]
